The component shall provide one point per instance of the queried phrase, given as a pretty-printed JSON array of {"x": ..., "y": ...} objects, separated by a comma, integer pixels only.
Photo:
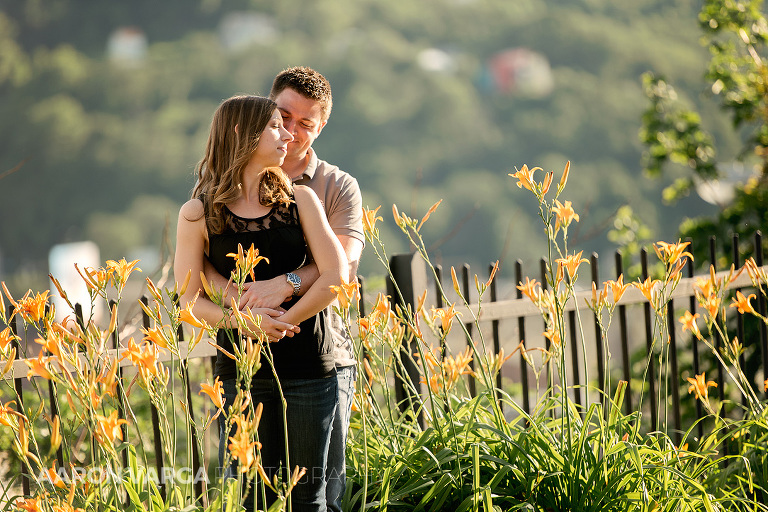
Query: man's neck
[{"x": 294, "y": 168}]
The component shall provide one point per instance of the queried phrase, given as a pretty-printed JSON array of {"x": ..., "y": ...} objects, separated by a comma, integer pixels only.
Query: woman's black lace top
[{"x": 279, "y": 238}]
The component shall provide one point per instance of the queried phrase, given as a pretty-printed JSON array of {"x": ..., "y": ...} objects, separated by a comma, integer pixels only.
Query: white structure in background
[
  {"x": 522, "y": 72},
  {"x": 436, "y": 61},
  {"x": 722, "y": 191},
  {"x": 61, "y": 265},
  {"x": 241, "y": 29},
  {"x": 127, "y": 46}
]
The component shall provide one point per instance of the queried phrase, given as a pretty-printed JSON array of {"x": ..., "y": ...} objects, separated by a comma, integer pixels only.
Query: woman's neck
[{"x": 249, "y": 187}]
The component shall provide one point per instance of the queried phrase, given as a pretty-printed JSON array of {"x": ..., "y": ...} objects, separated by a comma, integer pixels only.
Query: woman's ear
[{"x": 236, "y": 127}]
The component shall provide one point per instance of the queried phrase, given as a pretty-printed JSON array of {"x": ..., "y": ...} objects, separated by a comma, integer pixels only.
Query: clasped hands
[{"x": 264, "y": 298}]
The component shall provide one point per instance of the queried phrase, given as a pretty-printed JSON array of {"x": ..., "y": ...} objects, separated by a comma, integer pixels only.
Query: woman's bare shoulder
[
  {"x": 192, "y": 210},
  {"x": 304, "y": 194}
]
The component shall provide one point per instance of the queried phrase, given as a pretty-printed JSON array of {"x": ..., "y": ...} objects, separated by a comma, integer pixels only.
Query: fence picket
[
  {"x": 624, "y": 340},
  {"x": 521, "y": 339}
]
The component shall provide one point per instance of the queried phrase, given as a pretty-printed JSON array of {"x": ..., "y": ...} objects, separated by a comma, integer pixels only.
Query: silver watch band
[{"x": 295, "y": 281}]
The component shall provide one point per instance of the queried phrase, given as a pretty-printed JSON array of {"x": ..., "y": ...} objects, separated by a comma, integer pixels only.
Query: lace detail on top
[{"x": 280, "y": 216}]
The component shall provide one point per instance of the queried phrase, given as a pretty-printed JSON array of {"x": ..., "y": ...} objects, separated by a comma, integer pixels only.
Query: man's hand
[{"x": 266, "y": 294}]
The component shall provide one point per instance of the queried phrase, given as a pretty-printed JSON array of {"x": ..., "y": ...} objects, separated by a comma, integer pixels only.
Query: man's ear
[{"x": 322, "y": 125}]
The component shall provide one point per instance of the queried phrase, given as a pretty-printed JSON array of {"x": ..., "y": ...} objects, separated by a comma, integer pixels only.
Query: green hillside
[{"x": 433, "y": 99}]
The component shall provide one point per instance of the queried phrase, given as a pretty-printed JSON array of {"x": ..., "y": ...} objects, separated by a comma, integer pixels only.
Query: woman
[{"x": 242, "y": 197}]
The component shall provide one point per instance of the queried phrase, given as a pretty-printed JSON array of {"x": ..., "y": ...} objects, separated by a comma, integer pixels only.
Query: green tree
[{"x": 675, "y": 136}]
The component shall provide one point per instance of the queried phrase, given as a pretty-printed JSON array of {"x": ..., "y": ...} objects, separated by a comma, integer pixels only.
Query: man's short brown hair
[{"x": 307, "y": 82}]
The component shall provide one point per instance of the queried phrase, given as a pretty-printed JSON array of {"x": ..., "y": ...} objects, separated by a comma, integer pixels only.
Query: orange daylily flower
[
  {"x": 671, "y": 253},
  {"x": 445, "y": 316},
  {"x": 243, "y": 449},
  {"x": 32, "y": 307},
  {"x": 8, "y": 414},
  {"x": 369, "y": 219},
  {"x": 108, "y": 379},
  {"x": 700, "y": 386},
  {"x": 66, "y": 507},
  {"x": 705, "y": 286},
  {"x": 531, "y": 289},
  {"x": 553, "y": 335},
  {"x": 215, "y": 392},
  {"x": 712, "y": 305},
  {"x": 646, "y": 287},
  {"x": 28, "y": 504},
  {"x": 108, "y": 428},
  {"x": 245, "y": 261},
  {"x": 54, "y": 478},
  {"x": 6, "y": 337},
  {"x": 525, "y": 177},
  {"x": 689, "y": 322},
  {"x": 186, "y": 315},
  {"x": 121, "y": 270},
  {"x": 382, "y": 309},
  {"x": 346, "y": 294},
  {"x": 742, "y": 303},
  {"x": 143, "y": 356},
  {"x": 95, "y": 279},
  {"x": 156, "y": 335},
  {"x": 618, "y": 288},
  {"x": 564, "y": 214},
  {"x": 571, "y": 263},
  {"x": 446, "y": 374},
  {"x": 39, "y": 367}
]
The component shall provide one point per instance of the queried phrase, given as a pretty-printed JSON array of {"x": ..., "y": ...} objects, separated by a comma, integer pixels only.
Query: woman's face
[{"x": 273, "y": 144}]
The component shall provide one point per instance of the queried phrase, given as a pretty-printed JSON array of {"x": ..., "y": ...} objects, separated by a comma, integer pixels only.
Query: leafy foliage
[{"x": 736, "y": 33}]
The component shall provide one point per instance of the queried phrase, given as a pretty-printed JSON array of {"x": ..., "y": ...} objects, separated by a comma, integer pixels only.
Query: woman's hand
[{"x": 269, "y": 323}]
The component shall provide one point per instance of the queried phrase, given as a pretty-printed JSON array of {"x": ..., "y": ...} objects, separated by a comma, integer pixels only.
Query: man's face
[{"x": 302, "y": 117}]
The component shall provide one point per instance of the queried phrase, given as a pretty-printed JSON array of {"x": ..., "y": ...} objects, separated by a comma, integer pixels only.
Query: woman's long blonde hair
[{"x": 228, "y": 151}]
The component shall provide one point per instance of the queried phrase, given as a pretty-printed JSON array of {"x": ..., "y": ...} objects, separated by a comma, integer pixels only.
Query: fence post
[
  {"x": 18, "y": 387},
  {"x": 495, "y": 334},
  {"x": 602, "y": 384},
  {"x": 650, "y": 346},
  {"x": 155, "y": 415},
  {"x": 761, "y": 302},
  {"x": 739, "y": 318},
  {"x": 692, "y": 303},
  {"x": 408, "y": 276},
  {"x": 470, "y": 326},
  {"x": 547, "y": 342},
  {"x": 624, "y": 340},
  {"x": 521, "y": 338}
]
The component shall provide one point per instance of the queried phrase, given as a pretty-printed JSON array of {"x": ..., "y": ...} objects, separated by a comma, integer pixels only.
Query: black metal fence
[{"x": 505, "y": 323}]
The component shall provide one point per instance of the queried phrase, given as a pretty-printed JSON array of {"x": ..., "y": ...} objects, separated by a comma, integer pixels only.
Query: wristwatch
[{"x": 294, "y": 280}]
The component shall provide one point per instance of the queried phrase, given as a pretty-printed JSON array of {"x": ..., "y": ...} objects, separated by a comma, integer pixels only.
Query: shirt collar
[{"x": 309, "y": 171}]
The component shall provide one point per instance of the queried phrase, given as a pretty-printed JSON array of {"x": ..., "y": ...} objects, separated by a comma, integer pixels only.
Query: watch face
[{"x": 295, "y": 281}]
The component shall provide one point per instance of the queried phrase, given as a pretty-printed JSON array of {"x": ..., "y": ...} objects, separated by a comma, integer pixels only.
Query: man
[{"x": 304, "y": 99}]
